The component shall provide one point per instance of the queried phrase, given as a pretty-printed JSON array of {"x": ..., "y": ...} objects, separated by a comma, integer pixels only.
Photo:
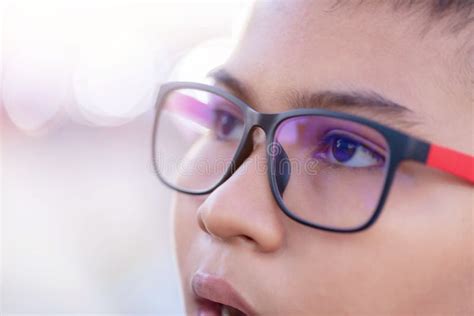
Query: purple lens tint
[
  {"x": 197, "y": 135},
  {"x": 337, "y": 170}
]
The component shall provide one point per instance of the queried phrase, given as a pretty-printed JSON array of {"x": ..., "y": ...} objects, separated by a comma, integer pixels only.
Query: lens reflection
[
  {"x": 197, "y": 135},
  {"x": 338, "y": 169}
]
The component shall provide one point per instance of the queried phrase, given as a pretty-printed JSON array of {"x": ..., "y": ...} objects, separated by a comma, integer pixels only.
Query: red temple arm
[{"x": 451, "y": 161}]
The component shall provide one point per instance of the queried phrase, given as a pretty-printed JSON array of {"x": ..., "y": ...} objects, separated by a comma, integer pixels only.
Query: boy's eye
[
  {"x": 226, "y": 126},
  {"x": 346, "y": 151}
]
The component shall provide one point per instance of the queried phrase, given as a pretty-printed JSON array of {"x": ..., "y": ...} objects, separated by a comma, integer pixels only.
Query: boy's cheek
[
  {"x": 423, "y": 234},
  {"x": 426, "y": 201},
  {"x": 428, "y": 227},
  {"x": 185, "y": 226},
  {"x": 187, "y": 233}
]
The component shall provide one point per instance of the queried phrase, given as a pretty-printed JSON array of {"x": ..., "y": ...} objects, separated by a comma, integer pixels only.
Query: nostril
[{"x": 246, "y": 238}]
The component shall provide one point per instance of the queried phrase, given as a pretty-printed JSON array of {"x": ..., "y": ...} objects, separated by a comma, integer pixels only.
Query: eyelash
[
  {"x": 235, "y": 122},
  {"x": 362, "y": 146}
]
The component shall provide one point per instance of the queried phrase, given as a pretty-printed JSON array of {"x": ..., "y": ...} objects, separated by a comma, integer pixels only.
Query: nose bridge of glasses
[
  {"x": 253, "y": 139},
  {"x": 264, "y": 121},
  {"x": 260, "y": 128}
]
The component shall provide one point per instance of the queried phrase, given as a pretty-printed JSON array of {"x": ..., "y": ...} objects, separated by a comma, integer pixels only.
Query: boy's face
[{"x": 418, "y": 257}]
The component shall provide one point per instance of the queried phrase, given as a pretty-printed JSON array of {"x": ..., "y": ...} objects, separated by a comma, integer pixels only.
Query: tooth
[{"x": 225, "y": 311}]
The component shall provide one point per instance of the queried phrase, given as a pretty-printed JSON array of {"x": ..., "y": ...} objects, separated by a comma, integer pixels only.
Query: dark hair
[
  {"x": 457, "y": 14},
  {"x": 460, "y": 12}
]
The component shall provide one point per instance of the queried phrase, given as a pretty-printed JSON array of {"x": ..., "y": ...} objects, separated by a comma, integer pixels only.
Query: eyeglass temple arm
[{"x": 448, "y": 160}]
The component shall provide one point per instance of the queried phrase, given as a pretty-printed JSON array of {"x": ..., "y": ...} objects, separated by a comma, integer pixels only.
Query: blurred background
[{"x": 85, "y": 225}]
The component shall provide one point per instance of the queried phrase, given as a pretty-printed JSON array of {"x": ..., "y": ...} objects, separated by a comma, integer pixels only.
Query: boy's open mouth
[
  {"x": 211, "y": 308},
  {"x": 215, "y": 297}
]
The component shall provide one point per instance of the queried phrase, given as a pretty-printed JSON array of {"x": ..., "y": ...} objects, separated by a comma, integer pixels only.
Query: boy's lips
[{"x": 212, "y": 292}]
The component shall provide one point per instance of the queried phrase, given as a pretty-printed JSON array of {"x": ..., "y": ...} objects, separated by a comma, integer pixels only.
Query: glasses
[{"x": 327, "y": 170}]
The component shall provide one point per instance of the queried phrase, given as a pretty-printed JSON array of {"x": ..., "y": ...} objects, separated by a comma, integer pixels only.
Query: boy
[{"x": 406, "y": 65}]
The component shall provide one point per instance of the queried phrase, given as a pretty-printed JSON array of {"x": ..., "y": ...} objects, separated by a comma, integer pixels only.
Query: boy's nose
[{"x": 243, "y": 207}]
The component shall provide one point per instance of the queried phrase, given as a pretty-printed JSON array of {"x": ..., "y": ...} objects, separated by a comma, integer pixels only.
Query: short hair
[
  {"x": 458, "y": 14},
  {"x": 460, "y": 11}
]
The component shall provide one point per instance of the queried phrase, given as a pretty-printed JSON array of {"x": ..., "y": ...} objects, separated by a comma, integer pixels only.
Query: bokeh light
[
  {"x": 36, "y": 65},
  {"x": 116, "y": 76},
  {"x": 86, "y": 224},
  {"x": 195, "y": 64},
  {"x": 101, "y": 62}
]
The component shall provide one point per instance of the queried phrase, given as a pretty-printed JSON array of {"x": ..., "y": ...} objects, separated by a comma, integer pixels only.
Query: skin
[{"x": 418, "y": 257}]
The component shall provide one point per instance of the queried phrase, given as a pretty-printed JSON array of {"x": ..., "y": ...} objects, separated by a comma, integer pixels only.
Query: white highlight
[
  {"x": 206, "y": 56},
  {"x": 116, "y": 75},
  {"x": 101, "y": 62},
  {"x": 35, "y": 66}
]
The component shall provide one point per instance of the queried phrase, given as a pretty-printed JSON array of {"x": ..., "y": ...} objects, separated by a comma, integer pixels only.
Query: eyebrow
[
  {"x": 223, "y": 77},
  {"x": 365, "y": 101}
]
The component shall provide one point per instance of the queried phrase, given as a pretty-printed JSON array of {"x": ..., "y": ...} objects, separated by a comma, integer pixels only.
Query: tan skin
[{"x": 418, "y": 257}]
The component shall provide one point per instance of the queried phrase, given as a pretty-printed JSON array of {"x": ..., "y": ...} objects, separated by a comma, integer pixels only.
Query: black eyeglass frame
[{"x": 401, "y": 147}]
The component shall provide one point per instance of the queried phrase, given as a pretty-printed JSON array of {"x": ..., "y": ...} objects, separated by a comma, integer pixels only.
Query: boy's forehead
[
  {"x": 309, "y": 23},
  {"x": 305, "y": 45},
  {"x": 309, "y": 46}
]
